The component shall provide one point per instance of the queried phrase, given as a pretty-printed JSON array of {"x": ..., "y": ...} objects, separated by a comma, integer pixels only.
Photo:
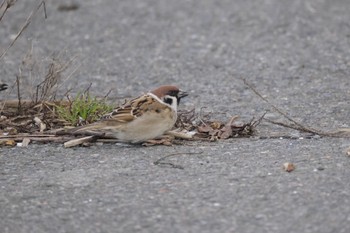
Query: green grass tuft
[{"x": 83, "y": 109}]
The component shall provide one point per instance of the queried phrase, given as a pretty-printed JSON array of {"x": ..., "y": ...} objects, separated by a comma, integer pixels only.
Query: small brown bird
[{"x": 143, "y": 118}]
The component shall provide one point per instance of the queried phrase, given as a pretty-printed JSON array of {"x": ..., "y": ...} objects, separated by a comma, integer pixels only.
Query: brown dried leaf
[
  {"x": 216, "y": 125},
  {"x": 214, "y": 132},
  {"x": 7, "y": 142},
  {"x": 153, "y": 142},
  {"x": 204, "y": 129},
  {"x": 225, "y": 132}
]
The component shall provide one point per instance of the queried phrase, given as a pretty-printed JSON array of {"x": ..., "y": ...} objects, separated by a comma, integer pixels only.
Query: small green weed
[{"x": 83, "y": 109}]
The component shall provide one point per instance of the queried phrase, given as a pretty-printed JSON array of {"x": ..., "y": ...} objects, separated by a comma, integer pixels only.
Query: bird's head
[{"x": 169, "y": 94}]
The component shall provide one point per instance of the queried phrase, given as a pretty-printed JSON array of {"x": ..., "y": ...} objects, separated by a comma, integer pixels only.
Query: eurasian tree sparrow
[{"x": 143, "y": 118}]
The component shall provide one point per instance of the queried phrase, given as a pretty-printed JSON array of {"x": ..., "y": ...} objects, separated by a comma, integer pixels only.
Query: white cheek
[{"x": 174, "y": 103}]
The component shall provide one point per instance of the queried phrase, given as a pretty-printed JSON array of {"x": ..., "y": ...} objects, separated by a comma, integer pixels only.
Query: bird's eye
[{"x": 168, "y": 101}]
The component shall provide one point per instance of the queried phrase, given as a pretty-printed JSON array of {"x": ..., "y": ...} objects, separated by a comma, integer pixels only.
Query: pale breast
[{"x": 150, "y": 125}]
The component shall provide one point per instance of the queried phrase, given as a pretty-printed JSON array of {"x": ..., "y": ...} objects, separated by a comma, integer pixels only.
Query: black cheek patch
[{"x": 168, "y": 101}]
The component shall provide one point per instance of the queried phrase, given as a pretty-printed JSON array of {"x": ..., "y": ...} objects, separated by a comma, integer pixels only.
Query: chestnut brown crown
[{"x": 169, "y": 90}]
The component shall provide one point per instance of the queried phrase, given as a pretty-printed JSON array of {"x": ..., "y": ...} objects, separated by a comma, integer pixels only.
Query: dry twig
[
  {"x": 295, "y": 125},
  {"x": 160, "y": 161},
  {"x": 19, "y": 110},
  {"x": 25, "y": 25},
  {"x": 79, "y": 141},
  {"x": 6, "y": 4}
]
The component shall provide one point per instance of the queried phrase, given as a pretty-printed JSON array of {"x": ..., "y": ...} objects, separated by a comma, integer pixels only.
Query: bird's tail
[
  {"x": 94, "y": 129},
  {"x": 83, "y": 128}
]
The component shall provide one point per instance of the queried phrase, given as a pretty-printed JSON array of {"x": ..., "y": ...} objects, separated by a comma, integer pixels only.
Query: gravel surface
[{"x": 296, "y": 53}]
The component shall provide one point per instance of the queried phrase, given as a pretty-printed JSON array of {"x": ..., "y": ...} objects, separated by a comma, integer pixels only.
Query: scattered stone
[
  {"x": 288, "y": 167},
  {"x": 348, "y": 152}
]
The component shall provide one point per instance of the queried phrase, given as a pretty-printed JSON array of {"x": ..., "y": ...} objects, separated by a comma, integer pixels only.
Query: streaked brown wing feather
[
  {"x": 134, "y": 108},
  {"x": 120, "y": 114},
  {"x": 126, "y": 113}
]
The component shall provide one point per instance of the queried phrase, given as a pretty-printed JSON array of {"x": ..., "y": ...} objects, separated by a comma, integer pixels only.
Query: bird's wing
[
  {"x": 134, "y": 109},
  {"x": 126, "y": 113}
]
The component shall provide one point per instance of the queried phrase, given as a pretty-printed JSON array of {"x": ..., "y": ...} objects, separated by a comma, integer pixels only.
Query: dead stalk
[
  {"x": 160, "y": 161},
  {"x": 8, "y": 3},
  {"x": 19, "y": 109},
  {"x": 296, "y": 125},
  {"x": 25, "y": 25}
]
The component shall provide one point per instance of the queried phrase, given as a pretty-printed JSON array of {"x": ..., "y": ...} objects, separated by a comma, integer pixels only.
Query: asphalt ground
[{"x": 296, "y": 53}]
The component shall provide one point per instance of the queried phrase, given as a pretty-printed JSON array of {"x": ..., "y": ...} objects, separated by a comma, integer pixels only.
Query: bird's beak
[{"x": 182, "y": 94}]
